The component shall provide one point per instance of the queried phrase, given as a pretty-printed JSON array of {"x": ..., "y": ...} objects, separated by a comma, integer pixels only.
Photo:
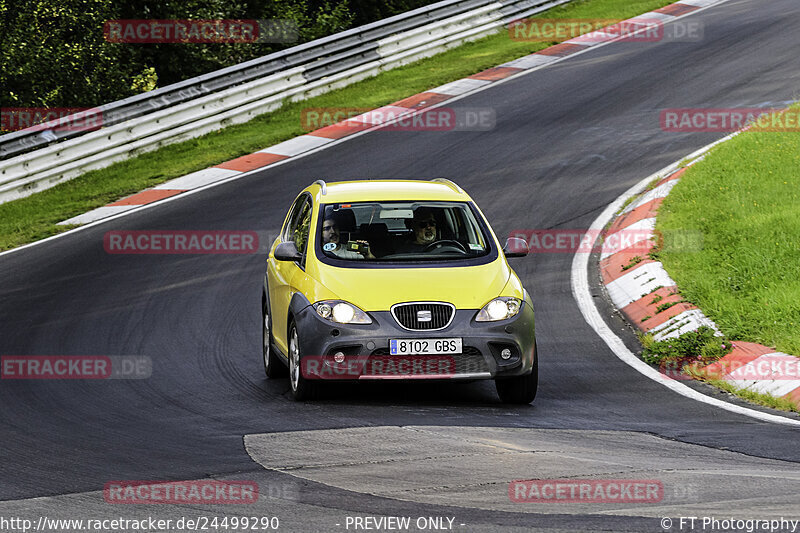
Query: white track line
[{"x": 583, "y": 297}]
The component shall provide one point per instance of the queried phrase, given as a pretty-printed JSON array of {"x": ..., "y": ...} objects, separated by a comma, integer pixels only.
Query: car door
[{"x": 283, "y": 276}]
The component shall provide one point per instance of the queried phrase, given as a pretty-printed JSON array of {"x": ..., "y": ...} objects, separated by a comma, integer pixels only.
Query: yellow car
[{"x": 395, "y": 279}]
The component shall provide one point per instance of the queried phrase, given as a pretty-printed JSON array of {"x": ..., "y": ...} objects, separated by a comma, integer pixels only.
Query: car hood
[{"x": 377, "y": 289}]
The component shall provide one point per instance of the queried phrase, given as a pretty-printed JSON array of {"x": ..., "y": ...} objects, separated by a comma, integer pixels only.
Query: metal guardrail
[
  {"x": 33, "y": 160},
  {"x": 356, "y": 40}
]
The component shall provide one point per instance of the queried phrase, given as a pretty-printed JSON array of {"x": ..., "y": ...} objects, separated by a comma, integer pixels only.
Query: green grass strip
[
  {"x": 745, "y": 200},
  {"x": 757, "y": 398},
  {"x": 29, "y": 219}
]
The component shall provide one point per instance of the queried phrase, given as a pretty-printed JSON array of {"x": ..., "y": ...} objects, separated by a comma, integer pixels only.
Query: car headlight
[
  {"x": 499, "y": 309},
  {"x": 341, "y": 312}
]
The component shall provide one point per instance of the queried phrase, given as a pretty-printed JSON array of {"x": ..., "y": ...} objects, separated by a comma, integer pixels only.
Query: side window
[
  {"x": 300, "y": 232},
  {"x": 297, "y": 227},
  {"x": 288, "y": 228}
]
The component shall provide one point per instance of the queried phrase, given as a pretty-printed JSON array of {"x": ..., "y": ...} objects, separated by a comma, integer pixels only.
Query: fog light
[
  {"x": 338, "y": 357},
  {"x": 505, "y": 353}
]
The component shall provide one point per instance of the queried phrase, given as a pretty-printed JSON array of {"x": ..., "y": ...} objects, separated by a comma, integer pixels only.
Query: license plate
[{"x": 424, "y": 346}]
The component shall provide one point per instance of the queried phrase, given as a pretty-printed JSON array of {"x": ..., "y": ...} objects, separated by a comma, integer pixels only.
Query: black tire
[
  {"x": 273, "y": 365},
  {"x": 520, "y": 389},
  {"x": 301, "y": 388}
]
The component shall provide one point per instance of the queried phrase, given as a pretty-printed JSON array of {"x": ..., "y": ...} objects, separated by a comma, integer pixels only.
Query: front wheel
[
  {"x": 520, "y": 389},
  {"x": 302, "y": 389}
]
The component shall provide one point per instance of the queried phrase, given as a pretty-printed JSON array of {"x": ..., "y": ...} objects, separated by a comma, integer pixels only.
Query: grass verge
[
  {"x": 35, "y": 217},
  {"x": 757, "y": 398},
  {"x": 691, "y": 353},
  {"x": 693, "y": 347},
  {"x": 744, "y": 199}
]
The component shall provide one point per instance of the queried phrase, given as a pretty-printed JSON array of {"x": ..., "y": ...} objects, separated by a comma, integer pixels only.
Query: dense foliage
[{"x": 54, "y": 53}]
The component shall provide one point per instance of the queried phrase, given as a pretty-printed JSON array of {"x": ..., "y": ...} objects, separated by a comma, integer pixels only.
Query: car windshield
[{"x": 401, "y": 231}]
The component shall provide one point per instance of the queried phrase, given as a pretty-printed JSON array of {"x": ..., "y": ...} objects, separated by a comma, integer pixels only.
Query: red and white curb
[
  {"x": 641, "y": 291},
  {"x": 585, "y": 299},
  {"x": 378, "y": 117}
]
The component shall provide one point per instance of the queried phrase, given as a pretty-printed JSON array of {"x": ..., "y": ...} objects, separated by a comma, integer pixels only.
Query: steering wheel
[{"x": 445, "y": 242}]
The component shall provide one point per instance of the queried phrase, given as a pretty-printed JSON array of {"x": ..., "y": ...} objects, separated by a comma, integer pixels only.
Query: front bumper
[{"x": 366, "y": 348}]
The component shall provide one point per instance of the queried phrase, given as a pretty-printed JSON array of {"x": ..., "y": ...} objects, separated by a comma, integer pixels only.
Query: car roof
[{"x": 386, "y": 190}]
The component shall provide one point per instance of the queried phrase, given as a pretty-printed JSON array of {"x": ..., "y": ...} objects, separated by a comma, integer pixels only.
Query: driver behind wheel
[{"x": 424, "y": 227}]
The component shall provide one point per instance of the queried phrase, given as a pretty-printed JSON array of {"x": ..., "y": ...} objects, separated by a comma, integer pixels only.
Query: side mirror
[
  {"x": 516, "y": 247},
  {"x": 287, "y": 251}
]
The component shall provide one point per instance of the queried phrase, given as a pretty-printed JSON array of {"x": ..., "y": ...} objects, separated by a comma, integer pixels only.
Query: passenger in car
[{"x": 330, "y": 236}]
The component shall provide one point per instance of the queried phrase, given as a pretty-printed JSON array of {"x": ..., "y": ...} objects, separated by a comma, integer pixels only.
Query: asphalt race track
[{"x": 569, "y": 139}]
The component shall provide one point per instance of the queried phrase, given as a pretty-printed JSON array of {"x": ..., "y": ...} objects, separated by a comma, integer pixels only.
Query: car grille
[
  {"x": 469, "y": 362},
  {"x": 407, "y": 315}
]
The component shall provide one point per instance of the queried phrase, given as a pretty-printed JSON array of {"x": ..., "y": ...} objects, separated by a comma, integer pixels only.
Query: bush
[
  {"x": 54, "y": 55},
  {"x": 701, "y": 346},
  {"x": 54, "y": 52}
]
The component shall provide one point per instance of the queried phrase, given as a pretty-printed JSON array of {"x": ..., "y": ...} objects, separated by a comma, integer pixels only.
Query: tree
[{"x": 55, "y": 53}]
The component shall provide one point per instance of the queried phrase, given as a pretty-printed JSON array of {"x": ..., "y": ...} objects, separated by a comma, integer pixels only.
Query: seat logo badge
[{"x": 424, "y": 316}]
